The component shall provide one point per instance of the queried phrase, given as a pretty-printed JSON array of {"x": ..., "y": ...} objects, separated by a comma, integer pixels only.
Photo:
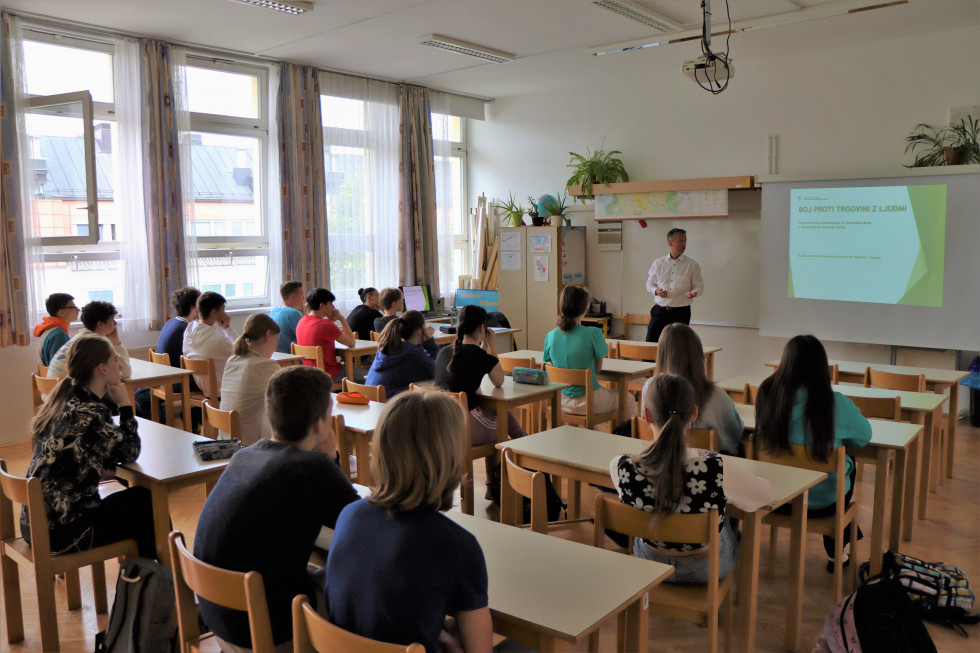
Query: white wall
[{"x": 837, "y": 111}]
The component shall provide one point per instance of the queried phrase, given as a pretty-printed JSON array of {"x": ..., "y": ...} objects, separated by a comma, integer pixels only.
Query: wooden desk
[
  {"x": 546, "y": 592},
  {"x": 285, "y": 360},
  {"x": 599, "y": 321},
  {"x": 151, "y": 375},
  {"x": 937, "y": 380},
  {"x": 359, "y": 421},
  {"x": 167, "y": 462},
  {"x": 709, "y": 353},
  {"x": 584, "y": 456},
  {"x": 616, "y": 371},
  {"x": 513, "y": 395},
  {"x": 351, "y": 354}
]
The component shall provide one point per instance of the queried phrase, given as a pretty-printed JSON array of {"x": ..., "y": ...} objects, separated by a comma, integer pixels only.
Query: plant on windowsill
[
  {"x": 951, "y": 145},
  {"x": 510, "y": 211},
  {"x": 599, "y": 167}
]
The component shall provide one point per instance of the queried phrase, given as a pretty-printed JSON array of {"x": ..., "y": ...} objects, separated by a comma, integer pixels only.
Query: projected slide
[{"x": 881, "y": 244}]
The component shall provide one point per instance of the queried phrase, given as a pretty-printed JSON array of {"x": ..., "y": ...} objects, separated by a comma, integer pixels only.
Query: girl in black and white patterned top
[
  {"x": 669, "y": 477},
  {"x": 76, "y": 445}
]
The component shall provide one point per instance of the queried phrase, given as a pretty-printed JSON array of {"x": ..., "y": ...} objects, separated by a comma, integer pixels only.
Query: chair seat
[
  {"x": 678, "y": 601},
  {"x": 599, "y": 418},
  {"x": 819, "y": 525}
]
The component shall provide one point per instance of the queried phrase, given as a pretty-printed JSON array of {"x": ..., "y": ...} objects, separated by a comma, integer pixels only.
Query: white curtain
[
  {"x": 360, "y": 136},
  {"x": 182, "y": 118},
  {"x": 127, "y": 185}
]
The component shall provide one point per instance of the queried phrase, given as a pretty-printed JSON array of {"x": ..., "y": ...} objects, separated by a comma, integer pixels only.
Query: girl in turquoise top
[
  {"x": 576, "y": 347},
  {"x": 797, "y": 405}
]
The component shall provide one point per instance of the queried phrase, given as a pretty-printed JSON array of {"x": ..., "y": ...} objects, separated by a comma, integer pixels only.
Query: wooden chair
[
  {"x": 582, "y": 378},
  {"x": 696, "y": 438},
  {"x": 630, "y": 352},
  {"x": 372, "y": 392},
  {"x": 531, "y": 415},
  {"x": 473, "y": 452},
  {"x": 834, "y": 373},
  {"x": 16, "y": 551},
  {"x": 904, "y": 382},
  {"x": 749, "y": 394},
  {"x": 309, "y": 353},
  {"x": 229, "y": 589},
  {"x": 375, "y": 336},
  {"x": 696, "y": 603},
  {"x": 638, "y": 319},
  {"x": 532, "y": 485},
  {"x": 879, "y": 407},
  {"x": 344, "y": 448},
  {"x": 833, "y": 526},
  {"x": 224, "y": 420},
  {"x": 314, "y": 634},
  {"x": 40, "y": 386},
  {"x": 42, "y": 370}
]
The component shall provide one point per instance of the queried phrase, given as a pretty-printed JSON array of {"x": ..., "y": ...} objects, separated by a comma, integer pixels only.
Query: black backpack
[
  {"x": 144, "y": 612},
  {"x": 555, "y": 504}
]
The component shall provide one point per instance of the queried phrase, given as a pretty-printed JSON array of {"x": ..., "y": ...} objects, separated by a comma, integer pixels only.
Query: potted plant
[
  {"x": 949, "y": 145},
  {"x": 511, "y": 211},
  {"x": 599, "y": 167},
  {"x": 555, "y": 206},
  {"x": 532, "y": 211}
]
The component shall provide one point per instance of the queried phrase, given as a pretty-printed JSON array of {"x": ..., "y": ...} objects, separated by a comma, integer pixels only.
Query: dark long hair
[
  {"x": 399, "y": 330},
  {"x": 803, "y": 365},
  {"x": 680, "y": 352},
  {"x": 84, "y": 355},
  {"x": 574, "y": 303},
  {"x": 670, "y": 400},
  {"x": 471, "y": 318}
]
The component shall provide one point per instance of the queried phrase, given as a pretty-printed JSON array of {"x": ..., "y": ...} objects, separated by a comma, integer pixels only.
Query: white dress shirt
[{"x": 678, "y": 276}]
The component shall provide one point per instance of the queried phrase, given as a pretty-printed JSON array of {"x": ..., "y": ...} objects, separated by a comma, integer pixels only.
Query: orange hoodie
[{"x": 49, "y": 323}]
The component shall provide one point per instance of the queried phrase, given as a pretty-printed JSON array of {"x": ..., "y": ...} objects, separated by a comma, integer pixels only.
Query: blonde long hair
[
  {"x": 84, "y": 355},
  {"x": 256, "y": 327}
]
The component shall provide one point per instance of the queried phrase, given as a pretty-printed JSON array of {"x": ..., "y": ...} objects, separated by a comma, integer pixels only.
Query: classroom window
[
  {"x": 452, "y": 217},
  {"x": 229, "y": 142}
]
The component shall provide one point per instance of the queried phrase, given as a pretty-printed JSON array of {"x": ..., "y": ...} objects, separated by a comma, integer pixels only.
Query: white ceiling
[{"x": 377, "y": 38}]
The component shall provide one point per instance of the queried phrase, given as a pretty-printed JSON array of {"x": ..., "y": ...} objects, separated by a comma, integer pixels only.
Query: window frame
[{"x": 457, "y": 150}]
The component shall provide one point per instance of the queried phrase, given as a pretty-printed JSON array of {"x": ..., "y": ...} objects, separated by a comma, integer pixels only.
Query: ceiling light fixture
[
  {"x": 294, "y": 7},
  {"x": 639, "y": 13},
  {"x": 462, "y": 47}
]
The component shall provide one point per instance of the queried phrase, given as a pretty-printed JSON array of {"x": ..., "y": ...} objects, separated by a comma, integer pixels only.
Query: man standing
[{"x": 674, "y": 281}]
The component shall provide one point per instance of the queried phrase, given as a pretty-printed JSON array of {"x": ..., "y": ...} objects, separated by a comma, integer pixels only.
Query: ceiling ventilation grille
[
  {"x": 462, "y": 47},
  {"x": 641, "y": 14},
  {"x": 294, "y": 7}
]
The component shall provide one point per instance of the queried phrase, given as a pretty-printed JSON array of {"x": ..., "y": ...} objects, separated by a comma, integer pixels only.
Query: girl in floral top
[
  {"x": 669, "y": 477},
  {"x": 76, "y": 444}
]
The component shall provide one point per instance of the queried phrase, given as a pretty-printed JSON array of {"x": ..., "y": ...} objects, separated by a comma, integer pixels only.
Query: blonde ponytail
[{"x": 256, "y": 326}]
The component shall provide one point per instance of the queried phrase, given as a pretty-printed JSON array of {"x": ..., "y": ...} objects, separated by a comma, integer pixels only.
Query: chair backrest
[
  {"x": 225, "y": 420},
  {"x": 372, "y": 392},
  {"x": 309, "y": 353},
  {"x": 799, "y": 457},
  {"x": 42, "y": 370},
  {"x": 641, "y": 429},
  {"x": 696, "y": 438},
  {"x": 203, "y": 367},
  {"x": 230, "y": 589},
  {"x": 682, "y": 528},
  {"x": 834, "y": 373},
  {"x": 637, "y": 352},
  {"x": 880, "y": 407},
  {"x": 905, "y": 382},
  {"x": 460, "y": 398},
  {"x": 573, "y": 377},
  {"x": 158, "y": 357},
  {"x": 531, "y": 485},
  {"x": 375, "y": 336},
  {"x": 750, "y": 393},
  {"x": 26, "y": 492},
  {"x": 312, "y": 633},
  {"x": 508, "y": 363},
  {"x": 41, "y": 385}
]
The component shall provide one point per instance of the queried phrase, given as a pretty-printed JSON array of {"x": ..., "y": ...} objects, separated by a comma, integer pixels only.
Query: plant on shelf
[
  {"x": 555, "y": 206},
  {"x": 599, "y": 167},
  {"x": 532, "y": 212},
  {"x": 950, "y": 145},
  {"x": 511, "y": 211}
]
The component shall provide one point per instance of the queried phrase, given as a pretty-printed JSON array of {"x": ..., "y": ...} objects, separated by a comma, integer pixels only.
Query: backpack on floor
[
  {"x": 877, "y": 618},
  {"x": 143, "y": 618},
  {"x": 939, "y": 592}
]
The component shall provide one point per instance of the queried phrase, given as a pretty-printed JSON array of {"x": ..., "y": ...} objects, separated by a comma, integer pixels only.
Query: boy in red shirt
[{"x": 318, "y": 328}]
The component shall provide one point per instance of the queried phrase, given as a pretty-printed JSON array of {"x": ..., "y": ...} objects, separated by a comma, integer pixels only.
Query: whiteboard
[{"x": 727, "y": 249}]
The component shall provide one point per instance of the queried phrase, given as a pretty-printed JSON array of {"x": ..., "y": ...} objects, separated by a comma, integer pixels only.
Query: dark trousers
[
  {"x": 661, "y": 317},
  {"x": 829, "y": 511}
]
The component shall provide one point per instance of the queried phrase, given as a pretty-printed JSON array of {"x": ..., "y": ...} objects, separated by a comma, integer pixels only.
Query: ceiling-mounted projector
[{"x": 709, "y": 68}]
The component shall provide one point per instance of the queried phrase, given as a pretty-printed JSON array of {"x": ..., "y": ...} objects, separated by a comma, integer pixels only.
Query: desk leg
[
  {"x": 169, "y": 411},
  {"x": 185, "y": 398},
  {"x": 551, "y": 645},
  {"x": 555, "y": 409},
  {"x": 161, "y": 520},
  {"x": 349, "y": 365},
  {"x": 362, "y": 448},
  {"x": 709, "y": 365},
  {"x": 911, "y": 487},
  {"x": 637, "y": 619},
  {"x": 878, "y": 509},
  {"x": 954, "y": 406},
  {"x": 925, "y": 463},
  {"x": 154, "y": 408},
  {"x": 936, "y": 471},
  {"x": 622, "y": 386},
  {"x": 131, "y": 391},
  {"x": 797, "y": 556},
  {"x": 748, "y": 581},
  {"x": 900, "y": 479}
]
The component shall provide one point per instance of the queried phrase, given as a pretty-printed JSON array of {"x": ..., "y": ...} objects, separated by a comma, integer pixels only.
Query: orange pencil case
[{"x": 352, "y": 398}]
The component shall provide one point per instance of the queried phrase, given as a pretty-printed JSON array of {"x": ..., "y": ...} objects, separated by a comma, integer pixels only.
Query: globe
[{"x": 547, "y": 205}]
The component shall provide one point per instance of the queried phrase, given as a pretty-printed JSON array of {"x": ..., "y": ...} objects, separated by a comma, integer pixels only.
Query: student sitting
[
  {"x": 361, "y": 319},
  {"x": 406, "y": 354},
  {"x": 796, "y": 405},
  {"x": 76, "y": 444},
  {"x": 576, "y": 347},
  {"x": 267, "y": 508},
  {"x": 396, "y": 566},
  {"x": 247, "y": 375},
  {"x": 680, "y": 352},
  {"x": 461, "y": 368},
  {"x": 289, "y": 314},
  {"x": 318, "y": 328},
  {"x": 52, "y": 332},
  {"x": 210, "y": 337},
  {"x": 668, "y": 477},
  {"x": 171, "y": 340},
  {"x": 98, "y": 319},
  {"x": 392, "y": 303}
]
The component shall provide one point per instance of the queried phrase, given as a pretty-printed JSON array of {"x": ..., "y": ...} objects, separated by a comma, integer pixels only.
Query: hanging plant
[{"x": 599, "y": 167}]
